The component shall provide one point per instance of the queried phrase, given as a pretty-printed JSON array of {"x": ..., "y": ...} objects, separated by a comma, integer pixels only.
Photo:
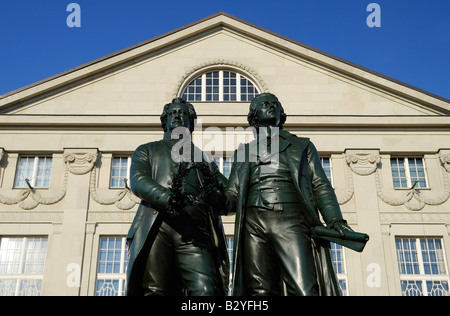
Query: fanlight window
[{"x": 219, "y": 86}]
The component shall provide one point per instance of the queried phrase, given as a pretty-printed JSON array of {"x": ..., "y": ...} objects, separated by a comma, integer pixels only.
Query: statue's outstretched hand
[{"x": 341, "y": 226}]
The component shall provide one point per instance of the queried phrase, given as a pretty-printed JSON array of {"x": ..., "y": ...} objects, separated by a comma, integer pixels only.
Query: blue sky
[{"x": 412, "y": 45}]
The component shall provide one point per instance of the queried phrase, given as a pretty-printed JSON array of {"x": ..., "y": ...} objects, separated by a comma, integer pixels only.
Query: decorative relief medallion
[{"x": 363, "y": 164}]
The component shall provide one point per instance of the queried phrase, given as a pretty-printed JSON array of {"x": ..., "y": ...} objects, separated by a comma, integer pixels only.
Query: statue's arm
[
  {"x": 232, "y": 190},
  {"x": 217, "y": 198},
  {"x": 142, "y": 183}
]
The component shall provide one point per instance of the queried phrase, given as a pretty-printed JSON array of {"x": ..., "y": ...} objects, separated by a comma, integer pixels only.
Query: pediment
[{"x": 132, "y": 85}]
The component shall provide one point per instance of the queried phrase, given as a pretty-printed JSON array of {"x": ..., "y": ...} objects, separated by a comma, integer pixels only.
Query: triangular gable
[{"x": 83, "y": 77}]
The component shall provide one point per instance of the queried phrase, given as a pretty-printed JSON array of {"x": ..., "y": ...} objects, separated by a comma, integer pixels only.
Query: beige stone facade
[{"x": 359, "y": 120}]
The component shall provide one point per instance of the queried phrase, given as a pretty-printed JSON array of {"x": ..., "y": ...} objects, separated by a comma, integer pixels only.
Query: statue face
[
  {"x": 268, "y": 111},
  {"x": 178, "y": 116}
]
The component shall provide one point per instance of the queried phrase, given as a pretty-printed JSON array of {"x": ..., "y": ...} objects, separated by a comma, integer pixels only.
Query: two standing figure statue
[{"x": 176, "y": 242}]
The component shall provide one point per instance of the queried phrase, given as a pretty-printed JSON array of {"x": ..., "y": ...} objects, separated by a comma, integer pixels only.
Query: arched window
[{"x": 220, "y": 85}]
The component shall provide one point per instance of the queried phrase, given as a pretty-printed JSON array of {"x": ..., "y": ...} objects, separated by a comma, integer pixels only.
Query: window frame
[
  {"x": 328, "y": 158},
  {"x": 21, "y": 274},
  {"x": 34, "y": 174},
  {"x": 203, "y": 86},
  {"x": 122, "y": 186},
  {"x": 123, "y": 265},
  {"x": 221, "y": 162},
  {"x": 421, "y": 277},
  {"x": 407, "y": 170}
]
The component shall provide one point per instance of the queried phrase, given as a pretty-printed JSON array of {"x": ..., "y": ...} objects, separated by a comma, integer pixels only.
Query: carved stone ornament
[
  {"x": 414, "y": 199},
  {"x": 444, "y": 157},
  {"x": 77, "y": 162},
  {"x": 363, "y": 164},
  {"x": 345, "y": 195},
  {"x": 123, "y": 199},
  {"x": 80, "y": 161},
  {"x": 30, "y": 198},
  {"x": 2, "y": 152}
]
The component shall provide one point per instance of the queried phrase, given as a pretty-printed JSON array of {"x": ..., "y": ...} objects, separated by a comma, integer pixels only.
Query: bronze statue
[
  {"x": 176, "y": 241},
  {"x": 281, "y": 246}
]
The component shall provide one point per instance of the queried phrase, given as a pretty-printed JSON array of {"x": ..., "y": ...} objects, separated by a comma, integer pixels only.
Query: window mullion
[
  {"x": 35, "y": 170},
  {"x": 407, "y": 173},
  {"x": 128, "y": 169},
  {"x": 221, "y": 85},
  {"x": 122, "y": 255},
  {"x": 420, "y": 257},
  {"x": 204, "y": 87},
  {"x": 238, "y": 87},
  {"x": 21, "y": 264}
]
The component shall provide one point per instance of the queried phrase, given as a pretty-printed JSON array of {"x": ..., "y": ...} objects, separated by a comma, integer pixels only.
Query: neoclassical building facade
[{"x": 66, "y": 143}]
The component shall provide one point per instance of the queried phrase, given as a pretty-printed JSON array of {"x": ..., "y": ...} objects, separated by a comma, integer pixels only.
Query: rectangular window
[
  {"x": 22, "y": 261},
  {"x": 326, "y": 165},
  {"x": 337, "y": 255},
  {"x": 35, "y": 171},
  {"x": 224, "y": 165},
  {"x": 120, "y": 171},
  {"x": 422, "y": 267},
  {"x": 111, "y": 267},
  {"x": 408, "y": 173},
  {"x": 230, "y": 245}
]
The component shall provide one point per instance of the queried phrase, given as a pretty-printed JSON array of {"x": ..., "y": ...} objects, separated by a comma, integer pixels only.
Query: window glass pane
[
  {"x": 213, "y": 85},
  {"x": 30, "y": 288},
  {"x": 107, "y": 288},
  {"x": 8, "y": 287},
  {"x": 433, "y": 257},
  {"x": 109, "y": 255},
  {"x": 10, "y": 253},
  {"x": 338, "y": 258},
  {"x": 35, "y": 255},
  {"x": 119, "y": 172},
  {"x": 326, "y": 165},
  {"x": 417, "y": 172},
  {"x": 428, "y": 255},
  {"x": 112, "y": 266},
  {"x": 398, "y": 173},
  {"x": 44, "y": 169},
  {"x": 411, "y": 288},
  {"x": 21, "y": 257},
  {"x": 248, "y": 90},
  {"x": 437, "y": 288},
  {"x": 24, "y": 171},
  {"x": 193, "y": 91},
  {"x": 407, "y": 256},
  {"x": 230, "y": 245},
  {"x": 36, "y": 170},
  {"x": 227, "y": 164},
  {"x": 229, "y": 86}
]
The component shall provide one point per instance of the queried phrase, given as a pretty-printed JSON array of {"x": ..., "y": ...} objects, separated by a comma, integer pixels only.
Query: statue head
[
  {"x": 178, "y": 113},
  {"x": 266, "y": 110}
]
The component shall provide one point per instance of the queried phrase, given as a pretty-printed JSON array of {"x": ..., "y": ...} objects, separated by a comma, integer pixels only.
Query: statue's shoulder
[{"x": 149, "y": 147}]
